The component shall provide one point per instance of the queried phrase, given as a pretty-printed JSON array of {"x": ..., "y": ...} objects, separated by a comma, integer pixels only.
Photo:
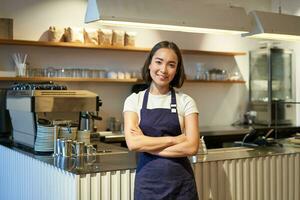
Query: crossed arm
[{"x": 166, "y": 146}]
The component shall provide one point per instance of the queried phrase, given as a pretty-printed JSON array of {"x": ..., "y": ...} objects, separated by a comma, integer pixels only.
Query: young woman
[{"x": 162, "y": 125}]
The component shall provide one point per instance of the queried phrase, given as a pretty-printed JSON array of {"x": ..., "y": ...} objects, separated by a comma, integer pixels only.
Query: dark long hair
[{"x": 179, "y": 76}]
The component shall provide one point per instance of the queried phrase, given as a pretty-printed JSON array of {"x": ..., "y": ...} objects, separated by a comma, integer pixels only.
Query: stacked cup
[{"x": 84, "y": 136}]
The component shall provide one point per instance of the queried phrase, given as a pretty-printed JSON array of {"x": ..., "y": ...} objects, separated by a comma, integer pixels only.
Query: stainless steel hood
[
  {"x": 267, "y": 25},
  {"x": 175, "y": 15}
]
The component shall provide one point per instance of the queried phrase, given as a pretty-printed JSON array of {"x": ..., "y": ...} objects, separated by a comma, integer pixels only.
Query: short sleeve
[
  {"x": 189, "y": 105},
  {"x": 131, "y": 103}
]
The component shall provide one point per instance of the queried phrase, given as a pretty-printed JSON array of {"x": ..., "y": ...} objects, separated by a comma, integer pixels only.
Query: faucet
[{"x": 251, "y": 133}]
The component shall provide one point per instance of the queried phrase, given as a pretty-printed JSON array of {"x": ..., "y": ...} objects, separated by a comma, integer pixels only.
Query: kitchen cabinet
[{"x": 110, "y": 48}]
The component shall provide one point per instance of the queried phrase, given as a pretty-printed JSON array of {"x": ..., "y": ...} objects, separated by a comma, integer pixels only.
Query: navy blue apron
[{"x": 160, "y": 178}]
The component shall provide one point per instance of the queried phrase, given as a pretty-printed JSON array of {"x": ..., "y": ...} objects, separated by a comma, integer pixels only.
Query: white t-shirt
[{"x": 185, "y": 104}]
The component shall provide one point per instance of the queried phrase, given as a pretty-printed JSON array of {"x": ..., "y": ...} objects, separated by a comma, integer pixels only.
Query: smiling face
[{"x": 163, "y": 67}]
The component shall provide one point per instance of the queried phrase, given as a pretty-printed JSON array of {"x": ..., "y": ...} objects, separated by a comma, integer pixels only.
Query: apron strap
[
  {"x": 173, "y": 105},
  {"x": 145, "y": 100},
  {"x": 173, "y": 100}
]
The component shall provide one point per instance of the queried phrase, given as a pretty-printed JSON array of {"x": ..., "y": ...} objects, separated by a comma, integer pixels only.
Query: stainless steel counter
[
  {"x": 233, "y": 153},
  {"x": 120, "y": 159},
  {"x": 108, "y": 158}
]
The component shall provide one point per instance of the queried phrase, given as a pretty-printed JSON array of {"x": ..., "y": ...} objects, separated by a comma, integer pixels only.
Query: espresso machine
[{"x": 30, "y": 107}]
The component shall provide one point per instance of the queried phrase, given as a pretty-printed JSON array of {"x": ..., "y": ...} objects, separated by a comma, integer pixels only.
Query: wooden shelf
[
  {"x": 102, "y": 80},
  {"x": 217, "y": 81},
  {"x": 114, "y": 48},
  {"x": 67, "y": 79}
]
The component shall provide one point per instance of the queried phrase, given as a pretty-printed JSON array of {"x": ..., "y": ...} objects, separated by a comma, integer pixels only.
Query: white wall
[{"x": 219, "y": 104}]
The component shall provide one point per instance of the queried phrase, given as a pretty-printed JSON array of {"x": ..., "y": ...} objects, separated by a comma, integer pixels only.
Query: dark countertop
[
  {"x": 204, "y": 131},
  {"x": 222, "y": 130},
  {"x": 237, "y": 132},
  {"x": 127, "y": 160}
]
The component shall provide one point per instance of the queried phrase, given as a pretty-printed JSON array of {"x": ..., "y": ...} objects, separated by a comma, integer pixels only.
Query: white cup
[
  {"x": 112, "y": 74},
  {"x": 127, "y": 75},
  {"x": 121, "y": 75}
]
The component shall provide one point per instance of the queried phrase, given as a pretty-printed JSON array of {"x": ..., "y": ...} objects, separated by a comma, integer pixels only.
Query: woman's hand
[
  {"x": 136, "y": 131},
  {"x": 137, "y": 141}
]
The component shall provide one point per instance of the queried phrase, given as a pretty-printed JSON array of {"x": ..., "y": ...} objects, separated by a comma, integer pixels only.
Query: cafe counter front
[{"x": 266, "y": 173}]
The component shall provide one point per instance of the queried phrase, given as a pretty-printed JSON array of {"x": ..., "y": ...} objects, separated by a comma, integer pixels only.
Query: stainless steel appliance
[
  {"x": 271, "y": 86},
  {"x": 87, "y": 121},
  {"x": 28, "y": 107}
]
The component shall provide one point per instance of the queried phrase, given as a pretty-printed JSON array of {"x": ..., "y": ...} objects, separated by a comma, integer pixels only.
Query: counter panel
[
  {"x": 26, "y": 178},
  {"x": 241, "y": 174}
]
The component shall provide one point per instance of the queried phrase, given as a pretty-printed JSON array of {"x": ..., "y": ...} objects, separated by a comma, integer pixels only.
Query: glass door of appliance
[
  {"x": 271, "y": 84},
  {"x": 281, "y": 67},
  {"x": 259, "y": 75}
]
